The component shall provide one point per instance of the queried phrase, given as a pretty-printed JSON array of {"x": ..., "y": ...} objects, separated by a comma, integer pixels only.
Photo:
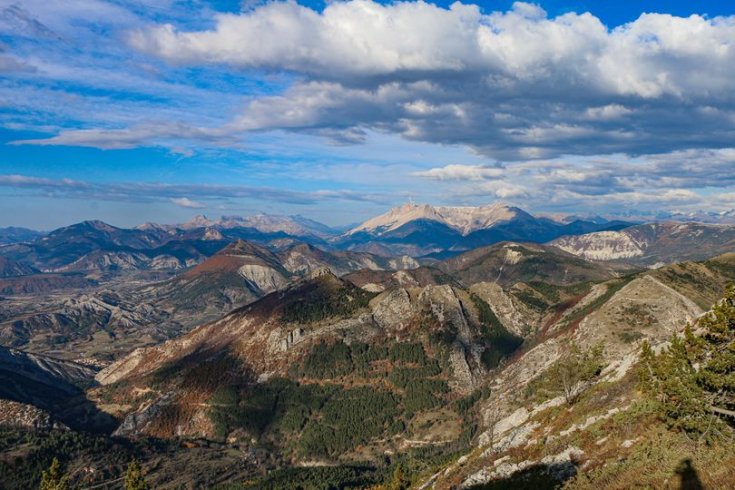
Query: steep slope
[
  {"x": 401, "y": 355},
  {"x": 653, "y": 244},
  {"x": 52, "y": 385},
  {"x": 236, "y": 275},
  {"x": 510, "y": 263},
  {"x": 631, "y": 422}
]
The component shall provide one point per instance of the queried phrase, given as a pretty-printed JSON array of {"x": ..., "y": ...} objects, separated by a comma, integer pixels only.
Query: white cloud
[
  {"x": 512, "y": 85},
  {"x": 461, "y": 172},
  {"x": 604, "y": 183},
  {"x": 648, "y": 57},
  {"x": 185, "y": 202}
]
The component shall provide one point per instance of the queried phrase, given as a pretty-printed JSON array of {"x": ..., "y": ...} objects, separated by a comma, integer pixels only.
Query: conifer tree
[
  {"x": 694, "y": 378},
  {"x": 134, "y": 477},
  {"x": 574, "y": 371},
  {"x": 53, "y": 478}
]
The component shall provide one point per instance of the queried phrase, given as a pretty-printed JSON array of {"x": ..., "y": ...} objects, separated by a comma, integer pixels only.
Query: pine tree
[
  {"x": 53, "y": 478},
  {"x": 717, "y": 353},
  {"x": 134, "y": 477},
  {"x": 695, "y": 377},
  {"x": 573, "y": 373}
]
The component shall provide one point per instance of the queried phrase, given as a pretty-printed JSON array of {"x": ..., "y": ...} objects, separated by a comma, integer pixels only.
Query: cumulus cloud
[
  {"x": 185, "y": 202},
  {"x": 512, "y": 85}
]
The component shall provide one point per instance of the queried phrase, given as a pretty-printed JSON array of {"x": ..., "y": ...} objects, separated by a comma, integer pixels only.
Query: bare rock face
[
  {"x": 513, "y": 317},
  {"x": 558, "y": 466},
  {"x": 405, "y": 280},
  {"x": 265, "y": 279},
  {"x": 446, "y": 306},
  {"x": 393, "y": 310},
  {"x": 463, "y": 381},
  {"x": 136, "y": 422},
  {"x": 403, "y": 262},
  {"x": 603, "y": 245},
  {"x": 165, "y": 262},
  {"x": 294, "y": 337}
]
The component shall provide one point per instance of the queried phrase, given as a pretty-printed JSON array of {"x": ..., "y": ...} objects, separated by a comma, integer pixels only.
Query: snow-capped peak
[{"x": 464, "y": 219}]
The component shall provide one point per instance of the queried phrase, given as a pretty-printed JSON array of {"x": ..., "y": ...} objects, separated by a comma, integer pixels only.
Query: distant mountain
[
  {"x": 94, "y": 246},
  {"x": 296, "y": 225},
  {"x": 464, "y": 220},
  {"x": 424, "y": 230},
  {"x": 243, "y": 272},
  {"x": 14, "y": 234},
  {"x": 9, "y": 268},
  {"x": 653, "y": 243},
  {"x": 238, "y": 274},
  {"x": 698, "y": 216}
]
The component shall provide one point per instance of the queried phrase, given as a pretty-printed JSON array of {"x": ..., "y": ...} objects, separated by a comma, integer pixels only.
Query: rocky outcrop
[
  {"x": 514, "y": 317},
  {"x": 558, "y": 466},
  {"x": 393, "y": 310},
  {"x": 294, "y": 337},
  {"x": 262, "y": 278},
  {"x": 603, "y": 245},
  {"x": 136, "y": 422},
  {"x": 15, "y": 414}
]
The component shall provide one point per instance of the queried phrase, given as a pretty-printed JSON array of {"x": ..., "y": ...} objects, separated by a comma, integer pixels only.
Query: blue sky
[{"x": 142, "y": 110}]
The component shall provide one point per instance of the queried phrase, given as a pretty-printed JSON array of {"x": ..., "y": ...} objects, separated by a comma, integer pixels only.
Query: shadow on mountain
[
  {"x": 53, "y": 385},
  {"x": 535, "y": 477},
  {"x": 688, "y": 476},
  {"x": 65, "y": 402}
]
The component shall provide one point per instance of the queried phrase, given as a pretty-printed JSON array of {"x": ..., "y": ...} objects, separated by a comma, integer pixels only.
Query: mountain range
[
  {"x": 414, "y": 230},
  {"x": 271, "y": 352}
]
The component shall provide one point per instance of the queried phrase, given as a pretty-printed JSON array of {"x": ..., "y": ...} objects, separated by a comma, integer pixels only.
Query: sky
[{"x": 157, "y": 110}]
